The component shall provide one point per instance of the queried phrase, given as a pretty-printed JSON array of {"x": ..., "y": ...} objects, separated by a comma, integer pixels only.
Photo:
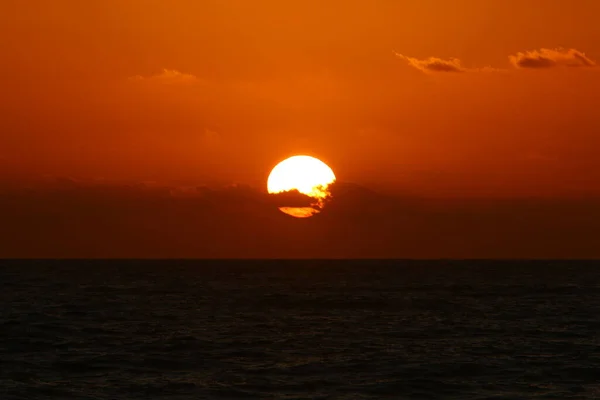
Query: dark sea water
[{"x": 299, "y": 330}]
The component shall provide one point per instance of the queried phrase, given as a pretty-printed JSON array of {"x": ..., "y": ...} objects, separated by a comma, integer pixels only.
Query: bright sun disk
[{"x": 307, "y": 175}]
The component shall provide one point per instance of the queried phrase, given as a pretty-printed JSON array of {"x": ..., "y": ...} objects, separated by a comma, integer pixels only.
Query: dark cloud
[
  {"x": 291, "y": 198},
  {"x": 549, "y": 58},
  {"x": 78, "y": 219}
]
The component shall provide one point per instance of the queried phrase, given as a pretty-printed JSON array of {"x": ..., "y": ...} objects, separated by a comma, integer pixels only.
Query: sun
[{"x": 307, "y": 175}]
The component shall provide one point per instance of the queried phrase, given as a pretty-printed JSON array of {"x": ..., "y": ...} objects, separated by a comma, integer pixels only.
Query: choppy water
[{"x": 297, "y": 330}]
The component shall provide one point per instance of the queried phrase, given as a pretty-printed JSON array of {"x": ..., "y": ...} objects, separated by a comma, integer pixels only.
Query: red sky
[{"x": 428, "y": 99}]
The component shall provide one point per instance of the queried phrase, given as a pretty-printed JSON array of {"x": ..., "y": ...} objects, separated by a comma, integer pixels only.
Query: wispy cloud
[
  {"x": 433, "y": 64},
  {"x": 549, "y": 58},
  {"x": 168, "y": 76}
]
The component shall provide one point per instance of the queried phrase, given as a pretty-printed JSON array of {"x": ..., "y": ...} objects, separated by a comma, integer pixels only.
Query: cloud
[
  {"x": 86, "y": 220},
  {"x": 168, "y": 76},
  {"x": 549, "y": 58},
  {"x": 433, "y": 64},
  {"x": 292, "y": 198}
]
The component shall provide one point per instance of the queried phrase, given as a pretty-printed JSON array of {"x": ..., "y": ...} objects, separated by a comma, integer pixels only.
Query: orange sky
[
  {"x": 84, "y": 92},
  {"x": 428, "y": 98}
]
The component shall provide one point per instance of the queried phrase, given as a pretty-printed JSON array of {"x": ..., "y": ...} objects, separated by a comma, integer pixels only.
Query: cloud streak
[
  {"x": 168, "y": 76},
  {"x": 550, "y": 58},
  {"x": 433, "y": 64}
]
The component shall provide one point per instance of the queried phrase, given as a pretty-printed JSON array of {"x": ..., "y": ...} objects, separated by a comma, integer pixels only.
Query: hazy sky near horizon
[{"x": 468, "y": 98}]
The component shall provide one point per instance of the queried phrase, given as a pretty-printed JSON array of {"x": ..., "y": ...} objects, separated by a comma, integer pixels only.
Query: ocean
[{"x": 304, "y": 329}]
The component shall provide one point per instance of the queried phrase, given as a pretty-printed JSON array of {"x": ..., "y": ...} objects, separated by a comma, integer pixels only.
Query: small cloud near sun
[
  {"x": 549, "y": 58},
  {"x": 168, "y": 76},
  {"x": 433, "y": 64}
]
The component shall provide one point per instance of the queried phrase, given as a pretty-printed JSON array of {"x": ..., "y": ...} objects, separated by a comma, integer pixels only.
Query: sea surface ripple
[{"x": 299, "y": 329}]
